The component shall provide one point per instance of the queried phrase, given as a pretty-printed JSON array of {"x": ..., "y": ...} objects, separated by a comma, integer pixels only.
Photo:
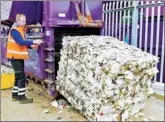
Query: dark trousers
[{"x": 20, "y": 78}]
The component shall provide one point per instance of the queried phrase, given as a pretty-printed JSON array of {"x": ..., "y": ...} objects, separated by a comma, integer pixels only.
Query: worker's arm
[{"x": 18, "y": 38}]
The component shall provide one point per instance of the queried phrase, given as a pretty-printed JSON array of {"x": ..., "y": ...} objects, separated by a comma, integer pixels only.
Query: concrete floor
[{"x": 13, "y": 111}]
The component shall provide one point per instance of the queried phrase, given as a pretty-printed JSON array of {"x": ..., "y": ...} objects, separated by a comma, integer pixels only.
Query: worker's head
[{"x": 21, "y": 19}]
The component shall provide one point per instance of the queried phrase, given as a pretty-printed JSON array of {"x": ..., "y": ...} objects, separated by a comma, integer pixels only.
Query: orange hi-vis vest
[{"x": 15, "y": 50}]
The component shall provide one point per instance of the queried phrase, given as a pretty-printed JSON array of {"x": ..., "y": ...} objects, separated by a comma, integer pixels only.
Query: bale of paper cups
[{"x": 105, "y": 78}]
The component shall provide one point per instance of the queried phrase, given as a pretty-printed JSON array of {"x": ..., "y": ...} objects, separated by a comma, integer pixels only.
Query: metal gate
[{"x": 139, "y": 23}]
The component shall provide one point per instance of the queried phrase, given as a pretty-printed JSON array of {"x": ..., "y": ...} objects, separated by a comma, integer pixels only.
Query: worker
[{"x": 17, "y": 52}]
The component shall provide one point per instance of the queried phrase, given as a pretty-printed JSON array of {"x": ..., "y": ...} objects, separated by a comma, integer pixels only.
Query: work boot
[
  {"x": 14, "y": 97},
  {"x": 25, "y": 100}
]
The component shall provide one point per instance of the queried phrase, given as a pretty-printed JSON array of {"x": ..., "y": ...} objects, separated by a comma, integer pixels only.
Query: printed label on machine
[
  {"x": 47, "y": 33},
  {"x": 61, "y": 15}
]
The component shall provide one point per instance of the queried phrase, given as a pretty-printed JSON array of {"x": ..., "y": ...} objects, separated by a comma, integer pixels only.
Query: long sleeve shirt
[{"x": 18, "y": 38}]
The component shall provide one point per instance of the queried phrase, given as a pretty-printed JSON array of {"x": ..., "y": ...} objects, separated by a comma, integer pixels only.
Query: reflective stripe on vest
[
  {"x": 11, "y": 40},
  {"x": 17, "y": 52}
]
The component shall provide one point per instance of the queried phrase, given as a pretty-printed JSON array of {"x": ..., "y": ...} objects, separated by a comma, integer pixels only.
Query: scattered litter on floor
[
  {"x": 151, "y": 118},
  {"x": 61, "y": 107},
  {"x": 145, "y": 119},
  {"x": 36, "y": 102},
  {"x": 46, "y": 111},
  {"x": 130, "y": 120},
  {"x": 59, "y": 118},
  {"x": 30, "y": 89},
  {"x": 44, "y": 106},
  {"x": 61, "y": 103},
  {"x": 59, "y": 112},
  {"x": 154, "y": 110},
  {"x": 136, "y": 116},
  {"x": 140, "y": 114},
  {"x": 54, "y": 103}
]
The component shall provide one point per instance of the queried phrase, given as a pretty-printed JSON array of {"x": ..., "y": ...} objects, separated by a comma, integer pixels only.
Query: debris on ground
[
  {"x": 140, "y": 114},
  {"x": 154, "y": 109},
  {"x": 60, "y": 112},
  {"x": 36, "y": 102},
  {"x": 151, "y": 118},
  {"x": 45, "y": 111},
  {"x": 44, "y": 106},
  {"x": 152, "y": 97},
  {"x": 145, "y": 119},
  {"x": 61, "y": 103},
  {"x": 30, "y": 89},
  {"x": 54, "y": 103},
  {"x": 59, "y": 118}
]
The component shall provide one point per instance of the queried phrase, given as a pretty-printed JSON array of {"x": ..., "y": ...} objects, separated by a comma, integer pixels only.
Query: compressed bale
[{"x": 104, "y": 78}]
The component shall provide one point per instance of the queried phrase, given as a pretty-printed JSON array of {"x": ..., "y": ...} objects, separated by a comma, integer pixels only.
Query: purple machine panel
[
  {"x": 4, "y": 33},
  {"x": 63, "y": 13},
  {"x": 32, "y": 10},
  {"x": 3, "y": 51},
  {"x": 58, "y": 13}
]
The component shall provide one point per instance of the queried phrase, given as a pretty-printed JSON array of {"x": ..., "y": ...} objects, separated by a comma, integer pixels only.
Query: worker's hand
[
  {"x": 34, "y": 47},
  {"x": 38, "y": 41}
]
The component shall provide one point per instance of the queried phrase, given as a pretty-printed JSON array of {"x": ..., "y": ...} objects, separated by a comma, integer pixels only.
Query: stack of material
[
  {"x": 6, "y": 69},
  {"x": 104, "y": 78}
]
